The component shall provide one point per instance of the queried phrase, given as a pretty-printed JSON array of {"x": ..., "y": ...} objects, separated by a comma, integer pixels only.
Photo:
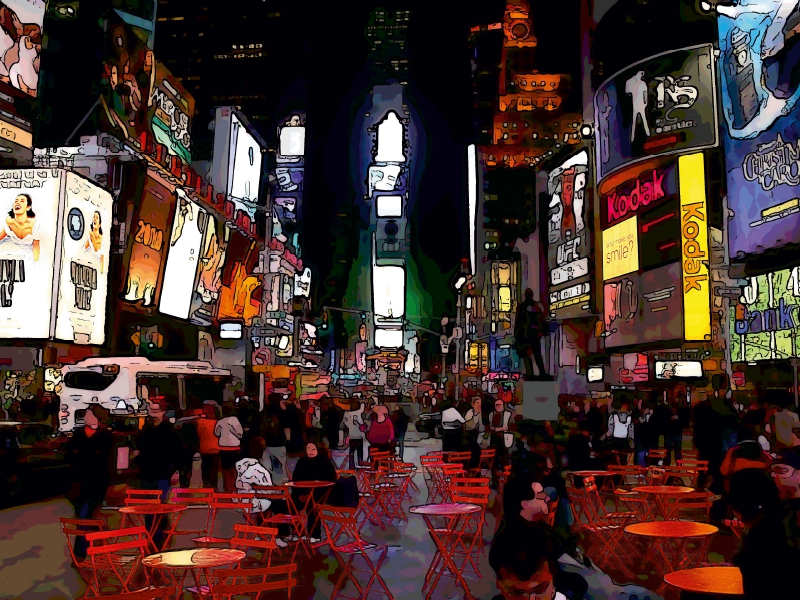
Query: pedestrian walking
[
  {"x": 229, "y": 432},
  {"x": 500, "y": 437},
  {"x": 400, "y": 424},
  {"x": 276, "y": 432},
  {"x": 209, "y": 446},
  {"x": 91, "y": 452},
  {"x": 380, "y": 432},
  {"x": 355, "y": 428},
  {"x": 452, "y": 423}
]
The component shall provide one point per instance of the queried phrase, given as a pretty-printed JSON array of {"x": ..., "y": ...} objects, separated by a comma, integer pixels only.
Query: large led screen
[
  {"x": 183, "y": 252},
  {"x": 389, "y": 291},
  {"x": 21, "y": 42},
  {"x": 244, "y": 175}
]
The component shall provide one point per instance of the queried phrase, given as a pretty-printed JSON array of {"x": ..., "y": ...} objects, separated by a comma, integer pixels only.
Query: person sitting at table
[
  {"x": 315, "y": 465},
  {"x": 526, "y": 505},
  {"x": 768, "y": 555}
]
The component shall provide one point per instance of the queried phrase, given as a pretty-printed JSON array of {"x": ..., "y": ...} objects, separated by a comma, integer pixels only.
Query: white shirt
[
  {"x": 229, "y": 431},
  {"x": 450, "y": 418},
  {"x": 351, "y": 423},
  {"x": 250, "y": 472}
]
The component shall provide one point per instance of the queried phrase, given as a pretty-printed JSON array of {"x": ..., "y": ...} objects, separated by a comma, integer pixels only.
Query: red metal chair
[
  {"x": 487, "y": 462},
  {"x": 239, "y": 503},
  {"x": 133, "y": 497},
  {"x": 232, "y": 583},
  {"x": 344, "y": 540},
  {"x": 200, "y": 498},
  {"x": 470, "y": 543},
  {"x": 458, "y": 458},
  {"x": 294, "y": 519},
  {"x": 258, "y": 540},
  {"x": 694, "y": 503},
  {"x": 696, "y": 467},
  {"x": 75, "y": 529},
  {"x": 654, "y": 456},
  {"x": 116, "y": 556}
]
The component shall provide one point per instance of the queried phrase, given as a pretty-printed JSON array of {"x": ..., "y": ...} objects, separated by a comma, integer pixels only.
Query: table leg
[{"x": 448, "y": 563}]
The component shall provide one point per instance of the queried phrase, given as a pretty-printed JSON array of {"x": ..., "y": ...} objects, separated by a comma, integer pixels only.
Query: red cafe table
[
  {"x": 138, "y": 512},
  {"x": 310, "y": 505},
  {"x": 660, "y": 495},
  {"x": 198, "y": 562},
  {"x": 454, "y": 515},
  {"x": 720, "y": 581},
  {"x": 671, "y": 541}
]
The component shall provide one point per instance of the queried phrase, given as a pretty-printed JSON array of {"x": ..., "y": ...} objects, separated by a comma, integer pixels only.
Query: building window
[{"x": 504, "y": 304}]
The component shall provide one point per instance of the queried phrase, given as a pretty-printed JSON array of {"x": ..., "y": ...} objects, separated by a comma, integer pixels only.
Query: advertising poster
[
  {"x": 183, "y": 251},
  {"x": 244, "y": 176},
  {"x": 172, "y": 108},
  {"x": 568, "y": 237},
  {"x": 650, "y": 189},
  {"x": 149, "y": 233},
  {"x": 85, "y": 243},
  {"x": 21, "y": 42},
  {"x": 620, "y": 249},
  {"x": 662, "y": 105},
  {"x": 759, "y": 62},
  {"x": 29, "y": 202},
  {"x": 209, "y": 280},
  {"x": 695, "y": 255},
  {"x": 644, "y": 308},
  {"x": 241, "y": 290},
  {"x": 765, "y": 323}
]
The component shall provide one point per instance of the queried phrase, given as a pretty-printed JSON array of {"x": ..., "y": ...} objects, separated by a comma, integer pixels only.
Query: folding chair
[
  {"x": 696, "y": 502},
  {"x": 133, "y": 496},
  {"x": 346, "y": 544},
  {"x": 240, "y": 503},
  {"x": 294, "y": 519},
  {"x": 231, "y": 583},
  {"x": 459, "y": 458},
  {"x": 485, "y": 465},
  {"x": 74, "y": 529},
  {"x": 202, "y": 498},
  {"x": 655, "y": 476},
  {"x": 116, "y": 555},
  {"x": 258, "y": 539},
  {"x": 448, "y": 473},
  {"x": 148, "y": 593},
  {"x": 696, "y": 467},
  {"x": 471, "y": 542},
  {"x": 429, "y": 462},
  {"x": 654, "y": 456},
  {"x": 410, "y": 468}
]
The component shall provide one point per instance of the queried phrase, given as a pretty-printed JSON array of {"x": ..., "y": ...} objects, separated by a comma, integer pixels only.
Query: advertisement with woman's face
[
  {"x": 86, "y": 243},
  {"x": 28, "y": 209}
]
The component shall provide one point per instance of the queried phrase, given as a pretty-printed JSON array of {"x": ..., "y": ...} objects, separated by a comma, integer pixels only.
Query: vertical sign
[{"x": 694, "y": 248}]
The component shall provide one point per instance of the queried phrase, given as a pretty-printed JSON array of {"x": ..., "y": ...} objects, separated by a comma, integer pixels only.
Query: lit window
[
  {"x": 390, "y": 139},
  {"x": 504, "y": 304}
]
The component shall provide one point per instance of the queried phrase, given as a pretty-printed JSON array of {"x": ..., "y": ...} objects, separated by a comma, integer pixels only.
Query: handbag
[
  {"x": 508, "y": 439},
  {"x": 362, "y": 428}
]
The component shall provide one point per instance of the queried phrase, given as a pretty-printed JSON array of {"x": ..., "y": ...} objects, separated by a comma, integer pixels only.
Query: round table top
[
  {"x": 310, "y": 485},
  {"x": 664, "y": 490},
  {"x": 196, "y": 558},
  {"x": 594, "y": 473},
  {"x": 671, "y": 529},
  {"x": 152, "y": 509},
  {"x": 708, "y": 580},
  {"x": 445, "y": 510}
]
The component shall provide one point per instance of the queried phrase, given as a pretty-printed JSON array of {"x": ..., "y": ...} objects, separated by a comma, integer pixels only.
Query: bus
[{"x": 124, "y": 384}]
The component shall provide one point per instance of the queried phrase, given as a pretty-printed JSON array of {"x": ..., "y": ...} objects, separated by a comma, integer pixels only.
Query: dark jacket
[
  {"x": 768, "y": 560},
  {"x": 94, "y": 461},
  {"x": 319, "y": 468},
  {"x": 160, "y": 451},
  {"x": 400, "y": 425}
]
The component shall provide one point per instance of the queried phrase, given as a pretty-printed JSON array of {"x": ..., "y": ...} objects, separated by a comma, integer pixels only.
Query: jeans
[
  {"x": 209, "y": 467},
  {"x": 275, "y": 460},
  {"x": 163, "y": 485},
  {"x": 673, "y": 442},
  {"x": 401, "y": 446},
  {"x": 641, "y": 457},
  {"x": 84, "y": 509},
  {"x": 356, "y": 450}
]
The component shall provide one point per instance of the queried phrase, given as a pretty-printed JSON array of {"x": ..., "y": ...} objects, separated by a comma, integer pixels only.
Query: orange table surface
[
  {"x": 708, "y": 580},
  {"x": 666, "y": 490},
  {"x": 671, "y": 529}
]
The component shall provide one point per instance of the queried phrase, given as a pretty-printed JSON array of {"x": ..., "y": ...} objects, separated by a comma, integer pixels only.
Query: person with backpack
[
  {"x": 620, "y": 427},
  {"x": 530, "y": 326}
]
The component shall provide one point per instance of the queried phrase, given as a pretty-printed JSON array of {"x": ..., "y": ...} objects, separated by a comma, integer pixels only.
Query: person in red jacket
[
  {"x": 209, "y": 447},
  {"x": 380, "y": 434}
]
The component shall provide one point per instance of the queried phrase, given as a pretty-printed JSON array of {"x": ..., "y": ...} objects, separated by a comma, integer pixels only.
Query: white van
[{"x": 123, "y": 384}]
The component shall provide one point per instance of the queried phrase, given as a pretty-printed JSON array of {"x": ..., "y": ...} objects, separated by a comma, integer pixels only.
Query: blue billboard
[{"x": 759, "y": 62}]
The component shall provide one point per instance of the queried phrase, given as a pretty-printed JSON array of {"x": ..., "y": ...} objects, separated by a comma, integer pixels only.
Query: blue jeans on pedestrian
[
  {"x": 673, "y": 442},
  {"x": 641, "y": 457},
  {"x": 163, "y": 485}
]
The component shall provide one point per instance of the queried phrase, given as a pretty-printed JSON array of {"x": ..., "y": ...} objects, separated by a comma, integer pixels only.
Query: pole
[
  {"x": 795, "y": 363},
  {"x": 262, "y": 381},
  {"x": 458, "y": 348}
]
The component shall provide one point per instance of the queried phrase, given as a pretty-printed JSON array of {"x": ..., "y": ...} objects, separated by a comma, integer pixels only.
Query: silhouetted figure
[{"x": 529, "y": 328}]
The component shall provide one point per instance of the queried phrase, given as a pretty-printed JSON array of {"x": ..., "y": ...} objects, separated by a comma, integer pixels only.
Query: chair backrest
[
  {"x": 702, "y": 501},
  {"x": 657, "y": 454},
  {"x": 276, "y": 493},
  {"x": 471, "y": 495},
  {"x": 132, "y": 543},
  {"x": 693, "y": 463},
  {"x": 461, "y": 458},
  {"x": 78, "y": 528},
  {"x": 341, "y": 527},
  {"x": 253, "y": 582},
  {"x": 133, "y": 496},
  {"x": 151, "y": 593},
  {"x": 488, "y": 454},
  {"x": 192, "y": 496},
  {"x": 230, "y": 501},
  {"x": 251, "y": 537}
]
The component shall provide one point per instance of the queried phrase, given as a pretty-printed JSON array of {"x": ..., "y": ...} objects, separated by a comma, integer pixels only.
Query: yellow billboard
[
  {"x": 621, "y": 249},
  {"x": 694, "y": 248}
]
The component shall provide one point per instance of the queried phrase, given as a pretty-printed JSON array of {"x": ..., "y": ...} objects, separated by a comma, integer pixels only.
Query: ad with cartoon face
[
  {"x": 29, "y": 210},
  {"x": 83, "y": 282}
]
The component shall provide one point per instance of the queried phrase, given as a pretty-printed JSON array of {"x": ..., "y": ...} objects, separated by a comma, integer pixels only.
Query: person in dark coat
[
  {"x": 401, "y": 420},
  {"x": 315, "y": 465},
  {"x": 332, "y": 418},
  {"x": 91, "y": 452}
]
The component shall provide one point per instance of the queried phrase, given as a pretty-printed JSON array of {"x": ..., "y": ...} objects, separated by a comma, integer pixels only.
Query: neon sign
[{"x": 644, "y": 193}]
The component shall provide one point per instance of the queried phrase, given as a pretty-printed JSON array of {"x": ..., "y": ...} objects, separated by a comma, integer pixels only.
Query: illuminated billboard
[
  {"x": 664, "y": 104},
  {"x": 241, "y": 290},
  {"x": 759, "y": 63},
  {"x": 85, "y": 243},
  {"x": 388, "y": 291},
  {"x": 53, "y": 217},
  {"x": 149, "y": 238},
  {"x": 765, "y": 323},
  {"x": 209, "y": 280},
  {"x": 569, "y": 240},
  {"x": 21, "y": 43},
  {"x": 620, "y": 252},
  {"x": 183, "y": 251},
  {"x": 695, "y": 255},
  {"x": 172, "y": 108},
  {"x": 236, "y": 160}
]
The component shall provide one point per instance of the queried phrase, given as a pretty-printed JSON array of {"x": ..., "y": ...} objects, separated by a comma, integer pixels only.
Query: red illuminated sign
[{"x": 647, "y": 190}]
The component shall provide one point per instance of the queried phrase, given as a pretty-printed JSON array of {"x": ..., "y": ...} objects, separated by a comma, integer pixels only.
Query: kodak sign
[
  {"x": 648, "y": 189},
  {"x": 695, "y": 257}
]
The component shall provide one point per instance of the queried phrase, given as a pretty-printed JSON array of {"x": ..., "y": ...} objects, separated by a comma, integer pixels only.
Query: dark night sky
[{"x": 441, "y": 87}]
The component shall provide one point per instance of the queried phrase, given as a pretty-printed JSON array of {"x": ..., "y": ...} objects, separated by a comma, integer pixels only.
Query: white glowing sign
[
  {"x": 389, "y": 291},
  {"x": 182, "y": 254},
  {"x": 390, "y": 140},
  {"x": 388, "y": 338},
  {"x": 472, "y": 199},
  {"x": 389, "y": 206}
]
